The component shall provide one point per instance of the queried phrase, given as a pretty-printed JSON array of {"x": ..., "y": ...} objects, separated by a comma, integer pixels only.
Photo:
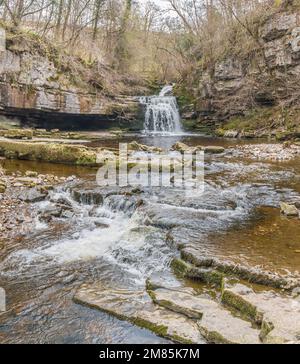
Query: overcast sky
[{"x": 161, "y": 3}]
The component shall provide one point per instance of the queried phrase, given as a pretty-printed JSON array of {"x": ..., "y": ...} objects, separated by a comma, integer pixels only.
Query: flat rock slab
[
  {"x": 216, "y": 324},
  {"x": 278, "y": 315},
  {"x": 138, "y": 308},
  {"x": 250, "y": 274},
  {"x": 168, "y": 281}
]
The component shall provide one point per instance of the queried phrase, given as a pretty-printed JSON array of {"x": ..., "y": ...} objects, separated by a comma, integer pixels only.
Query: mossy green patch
[
  {"x": 264, "y": 121},
  {"x": 159, "y": 330},
  {"x": 246, "y": 308},
  {"x": 49, "y": 152},
  {"x": 181, "y": 267}
]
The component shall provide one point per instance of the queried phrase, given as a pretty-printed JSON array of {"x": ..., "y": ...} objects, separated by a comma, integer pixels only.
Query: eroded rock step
[
  {"x": 138, "y": 308},
  {"x": 216, "y": 324},
  {"x": 279, "y": 316},
  {"x": 196, "y": 260}
]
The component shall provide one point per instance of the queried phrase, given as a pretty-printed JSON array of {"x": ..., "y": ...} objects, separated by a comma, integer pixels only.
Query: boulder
[
  {"x": 135, "y": 146},
  {"x": 205, "y": 275},
  {"x": 49, "y": 212},
  {"x": 2, "y": 186},
  {"x": 27, "y": 181},
  {"x": 231, "y": 134},
  {"x": 182, "y": 148},
  {"x": 288, "y": 210},
  {"x": 19, "y": 134},
  {"x": 163, "y": 280},
  {"x": 88, "y": 197},
  {"x": 31, "y": 174},
  {"x": 32, "y": 196},
  {"x": 214, "y": 150}
]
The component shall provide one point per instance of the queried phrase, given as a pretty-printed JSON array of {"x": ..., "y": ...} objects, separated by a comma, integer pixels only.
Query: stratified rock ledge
[{"x": 138, "y": 308}]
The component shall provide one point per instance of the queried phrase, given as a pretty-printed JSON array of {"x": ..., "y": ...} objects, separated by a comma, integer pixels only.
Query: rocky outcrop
[
  {"x": 33, "y": 83},
  {"x": 138, "y": 308},
  {"x": 236, "y": 85}
]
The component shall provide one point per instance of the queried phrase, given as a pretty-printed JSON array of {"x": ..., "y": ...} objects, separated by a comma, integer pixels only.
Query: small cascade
[{"x": 162, "y": 114}]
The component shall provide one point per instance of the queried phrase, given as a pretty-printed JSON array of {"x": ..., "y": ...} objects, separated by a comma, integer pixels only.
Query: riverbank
[{"x": 18, "y": 192}]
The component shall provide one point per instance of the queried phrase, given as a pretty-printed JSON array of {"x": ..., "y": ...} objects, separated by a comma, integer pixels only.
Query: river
[{"x": 236, "y": 218}]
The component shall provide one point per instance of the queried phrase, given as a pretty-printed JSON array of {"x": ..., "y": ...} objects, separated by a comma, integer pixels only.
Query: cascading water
[{"x": 162, "y": 114}]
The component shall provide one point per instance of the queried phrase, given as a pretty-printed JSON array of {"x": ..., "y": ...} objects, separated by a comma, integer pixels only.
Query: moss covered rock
[
  {"x": 18, "y": 134},
  {"x": 2, "y": 186},
  {"x": 279, "y": 316},
  {"x": 214, "y": 149},
  {"x": 49, "y": 152}
]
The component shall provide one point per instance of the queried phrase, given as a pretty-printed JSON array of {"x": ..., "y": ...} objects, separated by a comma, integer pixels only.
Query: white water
[{"x": 162, "y": 114}]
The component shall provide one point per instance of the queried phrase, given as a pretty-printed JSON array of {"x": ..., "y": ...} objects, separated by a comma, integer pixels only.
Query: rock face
[
  {"x": 33, "y": 84},
  {"x": 234, "y": 86}
]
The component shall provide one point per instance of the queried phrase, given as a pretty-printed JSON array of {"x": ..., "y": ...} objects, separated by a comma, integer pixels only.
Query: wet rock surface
[
  {"x": 137, "y": 307},
  {"x": 250, "y": 274},
  {"x": 20, "y": 194},
  {"x": 177, "y": 315},
  {"x": 32, "y": 195},
  {"x": 279, "y": 316}
]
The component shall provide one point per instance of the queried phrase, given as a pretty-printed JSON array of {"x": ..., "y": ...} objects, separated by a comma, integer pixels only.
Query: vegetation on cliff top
[{"x": 126, "y": 46}]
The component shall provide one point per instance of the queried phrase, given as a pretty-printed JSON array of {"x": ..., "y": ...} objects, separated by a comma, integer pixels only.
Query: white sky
[{"x": 160, "y": 3}]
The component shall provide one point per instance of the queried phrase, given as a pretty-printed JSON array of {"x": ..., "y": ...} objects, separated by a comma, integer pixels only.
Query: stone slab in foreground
[
  {"x": 216, "y": 324},
  {"x": 279, "y": 316},
  {"x": 138, "y": 308}
]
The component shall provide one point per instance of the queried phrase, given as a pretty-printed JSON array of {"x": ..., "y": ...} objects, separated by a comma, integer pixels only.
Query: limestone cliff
[
  {"x": 43, "y": 86},
  {"x": 267, "y": 80}
]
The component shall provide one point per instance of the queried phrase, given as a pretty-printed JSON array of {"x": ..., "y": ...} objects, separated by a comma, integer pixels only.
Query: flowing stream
[
  {"x": 114, "y": 235},
  {"x": 162, "y": 114}
]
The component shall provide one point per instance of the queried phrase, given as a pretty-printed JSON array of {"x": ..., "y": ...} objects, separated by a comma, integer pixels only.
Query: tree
[{"x": 121, "y": 51}]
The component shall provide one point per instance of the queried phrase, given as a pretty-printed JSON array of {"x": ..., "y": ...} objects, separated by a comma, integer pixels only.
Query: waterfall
[{"x": 162, "y": 114}]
